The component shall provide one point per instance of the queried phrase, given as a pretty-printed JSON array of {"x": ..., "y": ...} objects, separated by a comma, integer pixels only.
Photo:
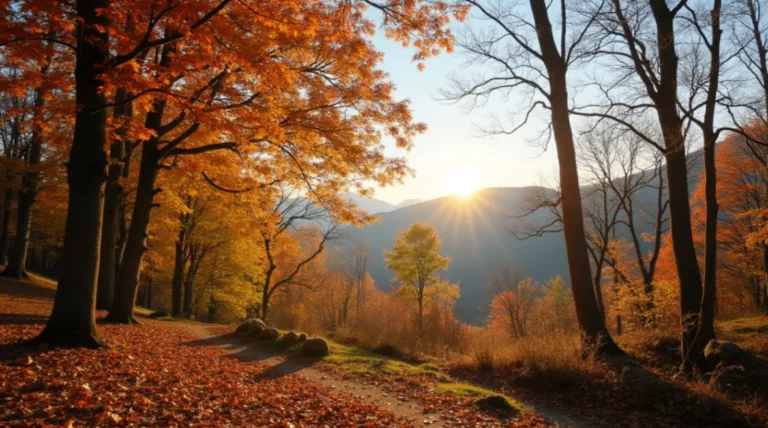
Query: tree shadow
[
  {"x": 15, "y": 352},
  {"x": 249, "y": 350},
  {"x": 619, "y": 394},
  {"x": 25, "y": 289},
  {"x": 22, "y": 319},
  {"x": 287, "y": 367}
]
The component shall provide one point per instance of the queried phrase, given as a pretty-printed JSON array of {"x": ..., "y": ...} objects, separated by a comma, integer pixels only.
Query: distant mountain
[
  {"x": 474, "y": 232},
  {"x": 370, "y": 205},
  {"x": 375, "y": 206},
  {"x": 408, "y": 203}
]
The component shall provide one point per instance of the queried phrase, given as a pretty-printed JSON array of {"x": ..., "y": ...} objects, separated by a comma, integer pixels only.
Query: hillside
[
  {"x": 473, "y": 232},
  {"x": 475, "y": 235}
]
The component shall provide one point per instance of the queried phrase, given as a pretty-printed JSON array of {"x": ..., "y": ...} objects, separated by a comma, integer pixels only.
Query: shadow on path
[{"x": 243, "y": 349}]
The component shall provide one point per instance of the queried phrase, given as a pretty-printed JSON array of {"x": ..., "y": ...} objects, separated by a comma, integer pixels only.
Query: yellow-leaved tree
[{"x": 416, "y": 261}]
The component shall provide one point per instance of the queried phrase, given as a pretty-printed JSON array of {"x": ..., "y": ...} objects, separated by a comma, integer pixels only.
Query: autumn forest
[{"x": 189, "y": 234}]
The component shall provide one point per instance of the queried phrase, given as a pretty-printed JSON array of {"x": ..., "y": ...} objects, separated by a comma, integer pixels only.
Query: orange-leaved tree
[{"x": 111, "y": 39}]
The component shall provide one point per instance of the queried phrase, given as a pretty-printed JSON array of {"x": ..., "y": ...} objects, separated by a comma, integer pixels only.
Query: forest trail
[
  {"x": 187, "y": 374},
  {"x": 280, "y": 366},
  {"x": 370, "y": 393}
]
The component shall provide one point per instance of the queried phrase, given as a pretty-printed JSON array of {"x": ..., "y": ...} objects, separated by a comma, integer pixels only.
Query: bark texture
[{"x": 72, "y": 319}]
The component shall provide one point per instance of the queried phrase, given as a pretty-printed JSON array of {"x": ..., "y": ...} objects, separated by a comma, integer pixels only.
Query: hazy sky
[{"x": 451, "y": 146}]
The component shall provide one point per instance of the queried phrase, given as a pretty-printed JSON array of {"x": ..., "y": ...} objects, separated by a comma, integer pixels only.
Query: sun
[{"x": 462, "y": 183}]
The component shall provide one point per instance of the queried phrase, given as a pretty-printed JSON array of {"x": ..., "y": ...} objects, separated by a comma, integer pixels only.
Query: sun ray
[{"x": 462, "y": 183}]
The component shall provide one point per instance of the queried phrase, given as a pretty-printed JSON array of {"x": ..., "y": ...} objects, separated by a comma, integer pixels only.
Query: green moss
[
  {"x": 362, "y": 361},
  {"x": 471, "y": 391},
  {"x": 746, "y": 326}
]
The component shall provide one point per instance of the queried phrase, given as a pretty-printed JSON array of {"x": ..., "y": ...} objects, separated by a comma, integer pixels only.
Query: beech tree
[{"x": 108, "y": 56}]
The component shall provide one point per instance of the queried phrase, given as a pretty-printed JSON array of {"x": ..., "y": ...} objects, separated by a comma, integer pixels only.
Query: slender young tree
[
  {"x": 415, "y": 261},
  {"x": 287, "y": 215}
]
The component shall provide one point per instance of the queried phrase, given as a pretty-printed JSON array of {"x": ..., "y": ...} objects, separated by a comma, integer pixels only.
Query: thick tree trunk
[
  {"x": 666, "y": 99},
  {"x": 44, "y": 261},
  {"x": 127, "y": 284},
  {"x": 72, "y": 319},
  {"x": 112, "y": 201},
  {"x": 683, "y": 247},
  {"x": 5, "y": 226}
]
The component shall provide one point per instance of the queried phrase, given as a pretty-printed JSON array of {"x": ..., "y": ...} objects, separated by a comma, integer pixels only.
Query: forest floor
[
  {"x": 188, "y": 374},
  {"x": 165, "y": 373}
]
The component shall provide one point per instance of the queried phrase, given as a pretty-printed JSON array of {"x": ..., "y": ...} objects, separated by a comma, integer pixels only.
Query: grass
[
  {"x": 362, "y": 361},
  {"x": 749, "y": 333},
  {"x": 477, "y": 393},
  {"x": 42, "y": 281},
  {"x": 141, "y": 311}
]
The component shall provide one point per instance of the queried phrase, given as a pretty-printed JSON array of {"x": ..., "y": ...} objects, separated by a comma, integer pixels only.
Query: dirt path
[
  {"x": 371, "y": 394},
  {"x": 281, "y": 366}
]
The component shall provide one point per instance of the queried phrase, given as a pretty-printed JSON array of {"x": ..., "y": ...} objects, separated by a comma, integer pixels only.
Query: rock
[
  {"x": 495, "y": 403},
  {"x": 289, "y": 339},
  {"x": 270, "y": 333},
  {"x": 725, "y": 352},
  {"x": 316, "y": 347},
  {"x": 162, "y": 313},
  {"x": 302, "y": 337},
  {"x": 251, "y": 327}
]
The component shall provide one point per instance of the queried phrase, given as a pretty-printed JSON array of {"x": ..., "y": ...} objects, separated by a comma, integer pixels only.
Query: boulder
[
  {"x": 251, "y": 327},
  {"x": 289, "y": 339},
  {"x": 270, "y": 333},
  {"x": 725, "y": 352},
  {"x": 315, "y": 347},
  {"x": 162, "y": 313},
  {"x": 496, "y": 403}
]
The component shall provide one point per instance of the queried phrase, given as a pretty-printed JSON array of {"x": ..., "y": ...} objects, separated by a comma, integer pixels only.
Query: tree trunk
[
  {"x": 72, "y": 319},
  {"x": 44, "y": 261},
  {"x": 178, "y": 271},
  {"x": 127, "y": 285},
  {"x": 6, "y": 226},
  {"x": 265, "y": 305},
  {"x": 17, "y": 259},
  {"x": 112, "y": 200},
  {"x": 148, "y": 294},
  {"x": 590, "y": 321},
  {"x": 211, "y": 311},
  {"x": 705, "y": 331},
  {"x": 188, "y": 293}
]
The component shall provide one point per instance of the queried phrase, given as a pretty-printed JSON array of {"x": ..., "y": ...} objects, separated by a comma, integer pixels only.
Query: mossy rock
[{"x": 496, "y": 404}]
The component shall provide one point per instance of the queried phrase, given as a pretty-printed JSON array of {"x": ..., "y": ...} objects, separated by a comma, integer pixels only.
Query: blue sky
[{"x": 451, "y": 145}]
